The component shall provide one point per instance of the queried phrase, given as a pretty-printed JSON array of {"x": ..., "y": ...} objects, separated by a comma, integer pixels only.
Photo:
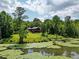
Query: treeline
[
  {"x": 67, "y": 27},
  {"x": 11, "y": 24}
]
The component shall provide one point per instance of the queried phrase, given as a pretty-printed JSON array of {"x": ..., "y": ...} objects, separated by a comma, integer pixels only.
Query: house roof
[{"x": 33, "y": 28}]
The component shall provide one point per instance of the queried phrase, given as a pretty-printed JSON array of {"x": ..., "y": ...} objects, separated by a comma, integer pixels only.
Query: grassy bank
[{"x": 32, "y": 38}]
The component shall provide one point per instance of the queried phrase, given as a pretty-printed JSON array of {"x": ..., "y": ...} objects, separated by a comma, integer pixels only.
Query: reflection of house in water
[{"x": 34, "y": 29}]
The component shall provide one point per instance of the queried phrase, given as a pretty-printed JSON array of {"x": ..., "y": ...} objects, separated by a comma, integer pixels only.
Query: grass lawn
[
  {"x": 35, "y": 45},
  {"x": 72, "y": 43},
  {"x": 33, "y": 38},
  {"x": 4, "y": 46}
]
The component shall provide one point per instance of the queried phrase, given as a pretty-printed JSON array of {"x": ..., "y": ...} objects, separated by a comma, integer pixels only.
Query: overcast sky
[{"x": 43, "y": 8}]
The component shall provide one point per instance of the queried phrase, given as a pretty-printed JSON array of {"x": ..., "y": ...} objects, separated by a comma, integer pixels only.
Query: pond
[
  {"x": 64, "y": 51},
  {"x": 24, "y": 51},
  {"x": 2, "y": 57}
]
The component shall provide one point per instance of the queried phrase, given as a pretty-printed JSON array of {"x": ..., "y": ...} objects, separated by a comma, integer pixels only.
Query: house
[{"x": 34, "y": 29}]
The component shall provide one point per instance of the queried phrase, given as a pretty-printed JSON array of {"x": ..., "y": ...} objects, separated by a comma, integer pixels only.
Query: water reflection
[
  {"x": 45, "y": 53},
  {"x": 74, "y": 54},
  {"x": 65, "y": 53},
  {"x": 30, "y": 51},
  {"x": 2, "y": 57}
]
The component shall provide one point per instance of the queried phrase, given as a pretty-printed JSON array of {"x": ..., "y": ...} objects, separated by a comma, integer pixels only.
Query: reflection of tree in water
[
  {"x": 2, "y": 57},
  {"x": 54, "y": 52},
  {"x": 46, "y": 53}
]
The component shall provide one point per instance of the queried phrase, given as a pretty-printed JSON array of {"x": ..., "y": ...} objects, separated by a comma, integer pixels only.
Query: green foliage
[
  {"x": 34, "y": 37},
  {"x": 36, "y": 23},
  {"x": 56, "y": 24},
  {"x": 50, "y": 28},
  {"x": 48, "y": 24},
  {"x": 19, "y": 15},
  {"x": 15, "y": 38},
  {"x": 5, "y": 25},
  {"x": 70, "y": 29},
  {"x": 67, "y": 28},
  {"x": 43, "y": 29},
  {"x": 22, "y": 33}
]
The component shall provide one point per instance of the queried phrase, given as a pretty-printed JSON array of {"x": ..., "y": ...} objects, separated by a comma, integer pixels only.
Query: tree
[
  {"x": 48, "y": 24},
  {"x": 56, "y": 24},
  {"x": 43, "y": 29},
  {"x": 76, "y": 27},
  {"x": 36, "y": 22},
  {"x": 19, "y": 16},
  {"x": 22, "y": 34},
  {"x": 0, "y": 27},
  {"x": 19, "y": 13},
  {"x": 5, "y": 25},
  {"x": 69, "y": 27}
]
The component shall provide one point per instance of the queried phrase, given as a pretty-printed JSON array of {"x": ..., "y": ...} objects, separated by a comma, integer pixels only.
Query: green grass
[
  {"x": 36, "y": 45},
  {"x": 31, "y": 37},
  {"x": 4, "y": 46},
  {"x": 42, "y": 45},
  {"x": 15, "y": 38},
  {"x": 34, "y": 38},
  {"x": 67, "y": 44},
  {"x": 74, "y": 41},
  {"x": 50, "y": 36},
  {"x": 10, "y": 54}
]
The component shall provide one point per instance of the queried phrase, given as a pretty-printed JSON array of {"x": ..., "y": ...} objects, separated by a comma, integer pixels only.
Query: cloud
[
  {"x": 39, "y": 6},
  {"x": 69, "y": 11},
  {"x": 9, "y": 5},
  {"x": 59, "y": 2},
  {"x": 54, "y": 7},
  {"x": 45, "y": 8}
]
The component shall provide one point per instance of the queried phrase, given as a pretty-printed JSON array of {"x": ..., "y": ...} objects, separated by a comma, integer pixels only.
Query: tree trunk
[{"x": 21, "y": 40}]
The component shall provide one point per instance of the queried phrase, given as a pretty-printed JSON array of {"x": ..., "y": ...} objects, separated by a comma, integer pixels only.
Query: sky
[{"x": 43, "y": 9}]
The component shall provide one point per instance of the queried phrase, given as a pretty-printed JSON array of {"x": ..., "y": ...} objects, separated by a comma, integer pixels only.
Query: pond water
[
  {"x": 64, "y": 51},
  {"x": 2, "y": 57},
  {"x": 72, "y": 52}
]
